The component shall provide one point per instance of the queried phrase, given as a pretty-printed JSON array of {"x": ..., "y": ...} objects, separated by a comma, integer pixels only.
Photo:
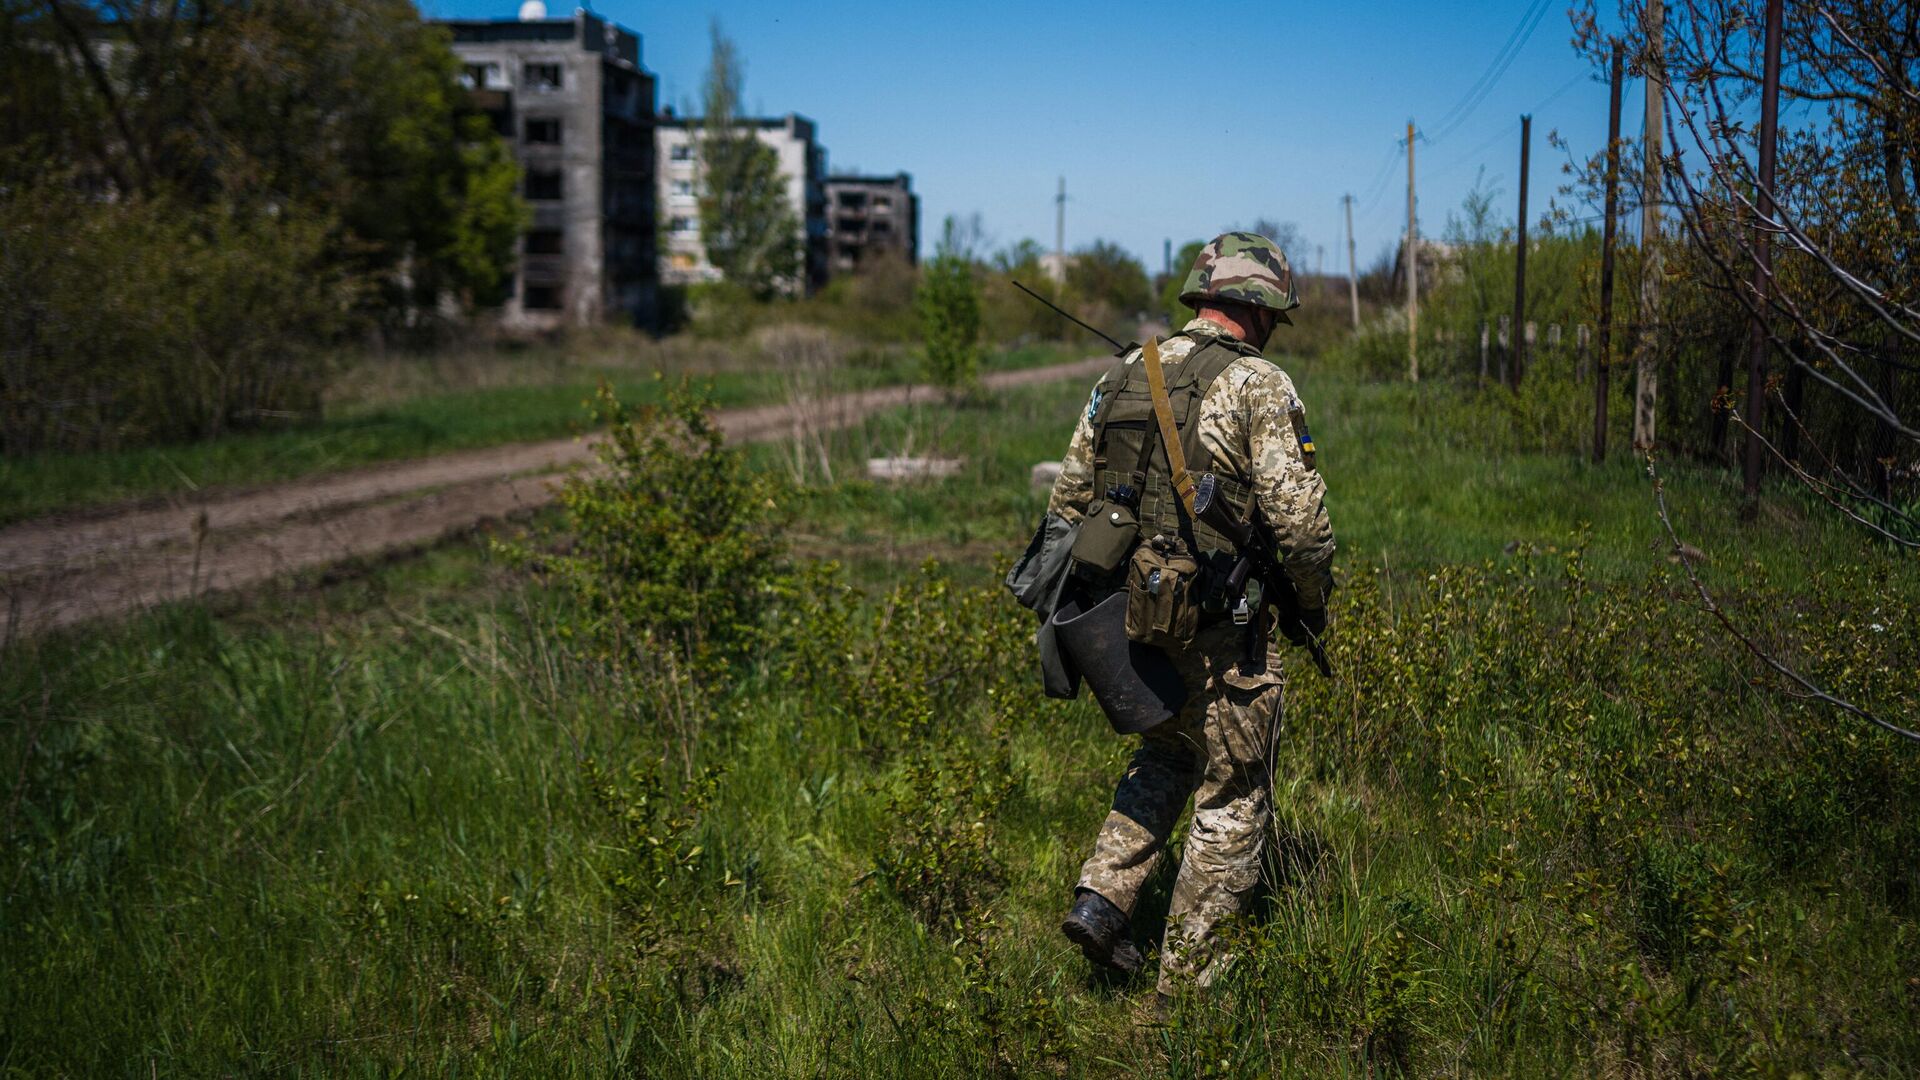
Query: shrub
[
  {"x": 949, "y": 304},
  {"x": 149, "y": 321},
  {"x": 675, "y": 548}
]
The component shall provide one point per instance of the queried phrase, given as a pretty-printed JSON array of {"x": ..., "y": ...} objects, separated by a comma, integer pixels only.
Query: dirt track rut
[{"x": 73, "y": 568}]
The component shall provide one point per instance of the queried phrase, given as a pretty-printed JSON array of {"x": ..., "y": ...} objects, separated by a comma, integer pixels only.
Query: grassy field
[
  {"x": 407, "y": 817},
  {"x": 416, "y": 406}
]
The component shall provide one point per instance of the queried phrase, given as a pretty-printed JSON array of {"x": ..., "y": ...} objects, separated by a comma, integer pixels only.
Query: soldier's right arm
[
  {"x": 1291, "y": 491},
  {"x": 1074, "y": 488}
]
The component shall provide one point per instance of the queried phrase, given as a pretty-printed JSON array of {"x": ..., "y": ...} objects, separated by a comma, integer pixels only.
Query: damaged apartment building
[
  {"x": 870, "y": 218},
  {"x": 803, "y": 165},
  {"x": 570, "y": 95}
]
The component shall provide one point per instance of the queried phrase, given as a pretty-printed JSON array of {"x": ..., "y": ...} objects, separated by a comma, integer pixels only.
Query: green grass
[
  {"x": 395, "y": 819},
  {"x": 541, "y": 400}
]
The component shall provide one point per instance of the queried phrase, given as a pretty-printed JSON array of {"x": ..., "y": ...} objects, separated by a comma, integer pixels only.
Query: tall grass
[{"x": 1543, "y": 823}]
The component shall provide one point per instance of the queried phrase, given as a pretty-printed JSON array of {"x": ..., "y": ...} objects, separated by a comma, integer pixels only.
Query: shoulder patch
[{"x": 1297, "y": 416}]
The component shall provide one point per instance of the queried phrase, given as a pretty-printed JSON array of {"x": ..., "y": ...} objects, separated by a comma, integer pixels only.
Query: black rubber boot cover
[{"x": 1102, "y": 932}]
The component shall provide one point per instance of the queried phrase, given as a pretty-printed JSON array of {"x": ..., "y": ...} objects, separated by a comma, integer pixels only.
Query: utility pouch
[
  {"x": 1106, "y": 536},
  {"x": 1163, "y": 594}
]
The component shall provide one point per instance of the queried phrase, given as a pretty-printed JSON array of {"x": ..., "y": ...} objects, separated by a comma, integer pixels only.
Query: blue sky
[{"x": 1168, "y": 121}]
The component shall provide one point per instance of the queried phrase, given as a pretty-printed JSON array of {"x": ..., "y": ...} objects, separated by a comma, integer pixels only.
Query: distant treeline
[{"x": 198, "y": 199}]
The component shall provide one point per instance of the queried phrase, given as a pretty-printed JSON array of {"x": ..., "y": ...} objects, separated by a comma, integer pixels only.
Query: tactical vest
[{"x": 1127, "y": 452}]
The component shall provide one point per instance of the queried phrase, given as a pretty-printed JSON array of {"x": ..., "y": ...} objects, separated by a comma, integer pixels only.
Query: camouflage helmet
[{"x": 1244, "y": 268}]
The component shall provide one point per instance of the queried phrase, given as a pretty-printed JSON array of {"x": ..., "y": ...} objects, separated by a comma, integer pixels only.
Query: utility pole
[
  {"x": 1646, "y": 349},
  {"x": 1413, "y": 270},
  {"x": 1605, "y": 344},
  {"x": 1166, "y": 257},
  {"x": 1520, "y": 261},
  {"x": 1319, "y": 259},
  {"x": 1060, "y": 225},
  {"x": 1763, "y": 251},
  {"x": 1353, "y": 279}
]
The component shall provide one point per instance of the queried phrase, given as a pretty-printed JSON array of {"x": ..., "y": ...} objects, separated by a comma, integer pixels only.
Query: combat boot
[{"x": 1102, "y": 932}]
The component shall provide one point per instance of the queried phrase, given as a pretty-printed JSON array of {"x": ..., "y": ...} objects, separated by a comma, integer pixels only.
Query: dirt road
[{"x": 76, "y": 567}]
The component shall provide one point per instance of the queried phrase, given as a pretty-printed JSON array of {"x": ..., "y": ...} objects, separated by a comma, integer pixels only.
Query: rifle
[
  {"x": 1258, "y": 559},
  {"x": 1118, "y": 349}
]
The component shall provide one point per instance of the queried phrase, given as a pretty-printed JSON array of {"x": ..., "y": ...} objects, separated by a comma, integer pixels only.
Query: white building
[{"x": 803, "y": 165}]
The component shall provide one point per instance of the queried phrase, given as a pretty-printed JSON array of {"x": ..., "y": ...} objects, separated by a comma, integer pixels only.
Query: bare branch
[{"x": 1713, "y": 608}]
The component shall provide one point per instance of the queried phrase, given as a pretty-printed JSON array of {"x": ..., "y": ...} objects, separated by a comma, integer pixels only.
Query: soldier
[{"x": 1237, "y": 416}]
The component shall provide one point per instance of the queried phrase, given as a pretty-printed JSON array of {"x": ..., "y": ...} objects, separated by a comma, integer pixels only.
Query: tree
[
  {"x": 348, "y": 109},
  {"x": 748, "y": 226},
  {"x": 1179, "y": 314},
  {"x": 1108, "y": 286},
  {"x": 222, "y": 189},
  {"x": 1818, "y": 263},
  {"x": 949, "y": 303}
]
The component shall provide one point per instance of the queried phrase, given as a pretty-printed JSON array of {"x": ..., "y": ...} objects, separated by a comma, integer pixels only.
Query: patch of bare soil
[{"x": 77, "y": 567}]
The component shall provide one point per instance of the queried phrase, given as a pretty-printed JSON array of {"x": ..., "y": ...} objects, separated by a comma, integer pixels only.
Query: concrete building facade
[
  {"x": 871, "y": 217},
  {"x": 803, "y": 165},
  {"x": 572, "y": 98}
]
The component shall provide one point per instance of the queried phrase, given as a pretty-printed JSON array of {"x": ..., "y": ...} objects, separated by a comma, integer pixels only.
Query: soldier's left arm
[{"x": 1290, "y": 489}]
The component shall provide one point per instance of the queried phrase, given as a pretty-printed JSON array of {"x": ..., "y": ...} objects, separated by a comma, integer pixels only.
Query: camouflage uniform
[{"x": 1218, "y": 749}]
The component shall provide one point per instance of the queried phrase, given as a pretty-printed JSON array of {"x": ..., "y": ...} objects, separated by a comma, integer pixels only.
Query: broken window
[
  {"x": 480, "y": 76},
  {"x": 684, "y": 225},
  {"x": 853, "y": 200},
  {"x": 682, "y": 152},
  {"x": 543, "y": 129},
  {"x": 543, "y": 242},
  {"x": 542, "y": 298},
  {"x": 543, "y": 184},
  {"x": 542, "y": 77}
]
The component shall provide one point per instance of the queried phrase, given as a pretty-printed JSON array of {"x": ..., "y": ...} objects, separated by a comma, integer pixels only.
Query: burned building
[
  {"x": 572, "y": 98},
  {"x": 871, "y": 217}
]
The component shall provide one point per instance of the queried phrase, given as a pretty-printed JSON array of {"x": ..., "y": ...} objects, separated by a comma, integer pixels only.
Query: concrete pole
[
  {"x": 1520, "y": 261},
  {"x": 1763, "y": 251},
  {"x": 1060, "y": 224},
  {"x": 1605, "y": 344},
  {"x": 1353, "y": 277},
  {"x": 1646, "y": 349},
  {"x": 1413, "y": 271}
]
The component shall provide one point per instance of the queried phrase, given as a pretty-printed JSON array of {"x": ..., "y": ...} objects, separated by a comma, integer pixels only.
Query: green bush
[
  {"x": 153, "y": 321},
  {"x": 674, "y": 550},
  {"x": 949, "y": 304}
]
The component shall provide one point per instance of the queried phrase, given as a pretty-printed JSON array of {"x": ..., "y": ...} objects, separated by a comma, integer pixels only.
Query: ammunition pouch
[
  {"x": 1106, "y": 537},
  {"x": 1164, "y": 594}
]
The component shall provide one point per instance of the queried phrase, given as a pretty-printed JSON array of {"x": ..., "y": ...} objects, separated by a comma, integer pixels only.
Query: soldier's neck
[{"x": 1228, "y": 322}]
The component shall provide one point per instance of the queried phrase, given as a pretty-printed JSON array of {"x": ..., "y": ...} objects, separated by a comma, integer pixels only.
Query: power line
[
  {"x": 1378, "y": 183},
  {"x": 1529, "y": 13},
  {"x": 1537, "y": 13},
  {"x": 1472, "y": 156}
]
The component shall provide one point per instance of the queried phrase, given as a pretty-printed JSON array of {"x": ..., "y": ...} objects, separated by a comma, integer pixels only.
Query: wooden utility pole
[
  {"x": 1646, "y": 348},
  {"x": 1605, "y": 343},
  {"x": 1520, "y": 262},
  {"x": 1353, "y": 277},
  {"x": 1763, "y": 251},
  {"x": 1413, "y": 271}
]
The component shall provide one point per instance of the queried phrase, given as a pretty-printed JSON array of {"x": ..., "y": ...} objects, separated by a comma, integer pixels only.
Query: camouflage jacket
[{"x": 1245, "y": 429}]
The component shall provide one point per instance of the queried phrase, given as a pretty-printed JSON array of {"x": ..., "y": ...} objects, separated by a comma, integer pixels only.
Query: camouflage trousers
[{"x": 1218, "y": 752}]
